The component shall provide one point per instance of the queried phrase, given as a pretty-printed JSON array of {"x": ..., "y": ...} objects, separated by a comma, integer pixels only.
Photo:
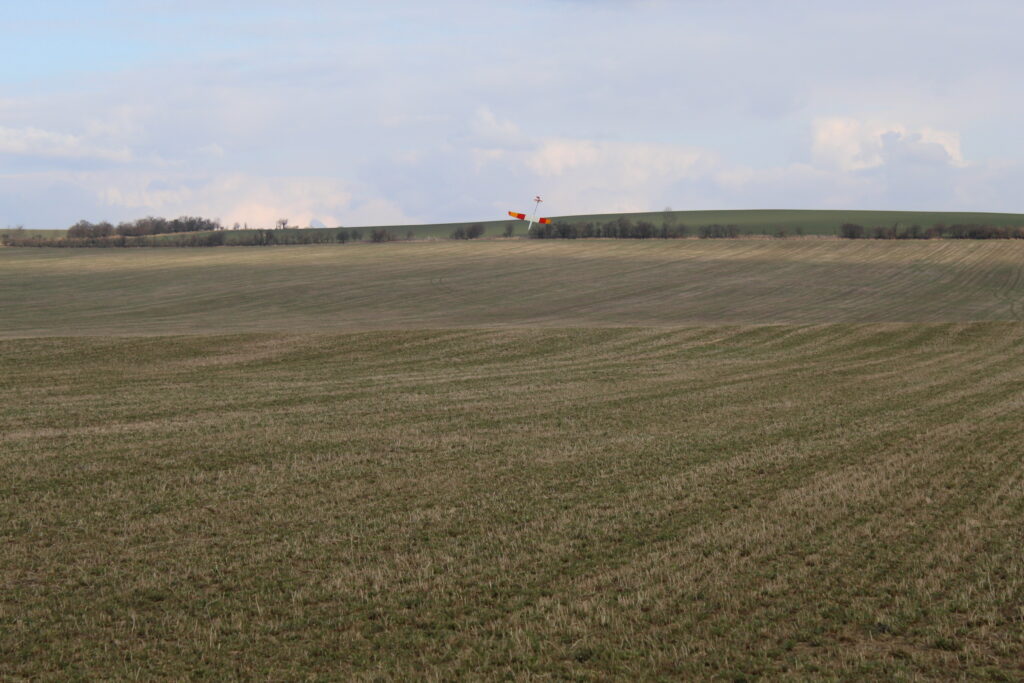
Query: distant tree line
[
  {"x": 143, "y": 226},
  {"x": 469, "y": 232},
  {"x": 624, "y": 228},
  {"x": 200, "y": 232},
  {"x": 959, "y": 231},
  {"x": 215, "y": 238}
]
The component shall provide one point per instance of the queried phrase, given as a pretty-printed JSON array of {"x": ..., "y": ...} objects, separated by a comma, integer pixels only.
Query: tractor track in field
[
  {"x": 446, "y": 284},
  {"x": 1012, "y": 292}
]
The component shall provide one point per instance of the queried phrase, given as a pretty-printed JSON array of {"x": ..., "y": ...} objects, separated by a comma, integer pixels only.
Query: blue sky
[{"x": 395, "y": 112}]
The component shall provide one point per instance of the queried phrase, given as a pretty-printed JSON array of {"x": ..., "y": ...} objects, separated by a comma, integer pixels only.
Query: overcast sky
[{"x": 359, "y": 113}]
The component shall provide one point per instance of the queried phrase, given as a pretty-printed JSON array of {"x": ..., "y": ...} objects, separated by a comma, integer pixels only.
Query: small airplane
[{"x": 522, "y": 216}]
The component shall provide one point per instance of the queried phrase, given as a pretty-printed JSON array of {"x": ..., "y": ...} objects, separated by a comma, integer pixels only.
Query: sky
[{"x": 396, "y": 112}]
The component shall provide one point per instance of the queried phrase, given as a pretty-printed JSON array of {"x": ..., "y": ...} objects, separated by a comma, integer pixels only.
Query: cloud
[
  {"x": 497, "y": 165},
  {"x": 850, "y": 144},
  {"x": 580, "y": 175},
  {"x": 600, "y": 175},
  {"x": 213, "y": 151},
  {"x": 36, "y": 142},
  {"x": 628, "y": 163},
  {"x": 394, "y": 111},
  {"x": 489, "y": 131},
  {"x": 852, "y": 163},
  {"x": 256, "y": 200}
]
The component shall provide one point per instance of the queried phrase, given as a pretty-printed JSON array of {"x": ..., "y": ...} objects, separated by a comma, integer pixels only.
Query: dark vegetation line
[
  {"x": 143, "y": 226},
  {"x": 193, "y": 231},
  {"x": 242, "y": 238},
  {"x": 623, "y": 228},
  {"x": 189, "y": 231},
  {"x": 969, "y": 231}
]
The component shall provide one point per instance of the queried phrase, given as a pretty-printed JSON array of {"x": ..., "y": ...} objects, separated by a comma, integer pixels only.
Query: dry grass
[
  {"x": 506, "y": 283},
  {"x": 590, "y": 460},
  {"x": 721, "y": 501}
]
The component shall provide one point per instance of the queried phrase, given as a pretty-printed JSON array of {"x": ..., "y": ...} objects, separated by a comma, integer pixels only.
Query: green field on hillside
[
  {"x": 22, "y": 232},
  {"x": 586, "y": 460},
  {"x": 813, "y": 222},
  {"x": 751, "y": 222}
]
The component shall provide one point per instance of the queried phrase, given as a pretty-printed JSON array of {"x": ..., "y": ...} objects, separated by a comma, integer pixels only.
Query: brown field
[
  {"x": 540, "y": 283},
  {"x": 663, "y": 460}
]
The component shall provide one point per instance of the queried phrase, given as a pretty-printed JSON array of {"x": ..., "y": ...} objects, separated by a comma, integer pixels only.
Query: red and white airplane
[{"x": 522, "y": 216}]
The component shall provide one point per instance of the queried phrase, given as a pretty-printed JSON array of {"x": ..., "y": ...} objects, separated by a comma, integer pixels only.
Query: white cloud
[
  {"x": 595, "y": 175},
  {"x": 583, "y": 175},
  {"x": 213, "y": 151},
  {"x": 36, "y": 142},
  {"x": 489, "y": 131},
  {"x": 854, "y": 163},
  {"x": 255, "y": 200},
  {"x": 628, "y": 163},
  {"x": 850, "y": 144},
  {"x": 367, "y": 120}
]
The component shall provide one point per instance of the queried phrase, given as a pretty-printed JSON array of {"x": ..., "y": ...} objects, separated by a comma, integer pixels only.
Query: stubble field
[
  {"x": 678, "y": 460},
  {"x": 507, "y": 283}
]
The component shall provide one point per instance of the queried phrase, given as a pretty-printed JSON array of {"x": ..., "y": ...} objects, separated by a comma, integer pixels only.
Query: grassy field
[
  {"x": 811, "y": 222},
  {"x": 507, "y": 283},
  {"x": 750, "y": 222},
  {"x": 22, "y": 232},
  {"x": 683, "y": 459}
]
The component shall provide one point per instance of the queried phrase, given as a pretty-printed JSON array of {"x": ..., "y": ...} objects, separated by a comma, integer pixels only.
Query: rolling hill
[
  {"x": 546, "y": 283},
  {"x": 750, "y": 222},
  {"x": 576, "y": 460}
]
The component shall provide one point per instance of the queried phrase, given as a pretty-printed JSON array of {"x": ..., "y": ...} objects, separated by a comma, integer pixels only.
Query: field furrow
[
  {"x": 518, "y": 283},
  {"x": 724, "y": 501}
]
